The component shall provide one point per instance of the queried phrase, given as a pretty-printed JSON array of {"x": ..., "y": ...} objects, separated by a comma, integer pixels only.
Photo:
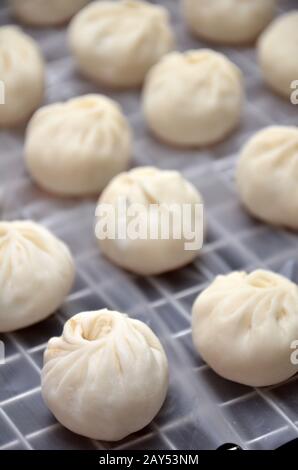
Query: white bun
[
  {"x": 22, "y": 75},
  {"x": 244, "y": 326},
  {"x": 277, "y": 51},
  {"x": 36, "y": 273},
  {"x": 147, "y": 186},
  {"x": 75, "y": 148},
  {"x": 106, "y": 376},
  {"x": 266, "y": 176},
  {"x": 116, "y": 43},
  {"x": 228, "y": 21},
  {"x": 46, "y": 12},
  {"x": 193, "y": 98}
]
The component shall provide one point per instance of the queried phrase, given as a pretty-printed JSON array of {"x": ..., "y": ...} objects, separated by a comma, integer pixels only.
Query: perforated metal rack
[{"x": 202, "y": 410}]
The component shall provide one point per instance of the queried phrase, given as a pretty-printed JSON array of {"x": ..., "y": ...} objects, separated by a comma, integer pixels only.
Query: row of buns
[
  {"x": 107, "y": 375},
  {"x": 244, "y": 325},
  {"x": 266, "y": 181},
  {"x": 118, "y": 43}
]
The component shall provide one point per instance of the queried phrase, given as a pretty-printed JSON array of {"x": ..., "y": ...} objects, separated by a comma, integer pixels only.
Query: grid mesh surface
[{"x": 202, "y": 410}]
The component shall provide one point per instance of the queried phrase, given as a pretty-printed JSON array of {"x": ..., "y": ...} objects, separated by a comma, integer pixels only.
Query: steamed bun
[
  {"x": 228, "y": 21},
  {"x": 22, "y": 75},
  {"x": 36, "y": 273},
  {"x": 149, "y": 186},
  {"x": 46, "y": 12},
  {"x": 106, "y": 376},
  {"x": 116, "y": 43},
  {"x": 75, "y": 148},
  {"x": 278, "y": 53},
  {"x": 266, "y": 176},
  {"x": 244, "y": 326},
  {"x": 193, "y": 98}
]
